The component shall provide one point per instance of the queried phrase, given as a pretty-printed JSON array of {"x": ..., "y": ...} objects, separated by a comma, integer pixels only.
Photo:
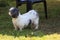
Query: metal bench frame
[{"x": 29, "y": 5}]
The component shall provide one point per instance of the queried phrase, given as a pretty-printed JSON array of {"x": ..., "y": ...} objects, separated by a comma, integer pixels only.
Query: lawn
[{"x": 48, "y": 30}]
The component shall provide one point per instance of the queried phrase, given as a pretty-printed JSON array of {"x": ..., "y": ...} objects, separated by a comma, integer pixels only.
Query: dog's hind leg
[{"x": 36, "y": 23}]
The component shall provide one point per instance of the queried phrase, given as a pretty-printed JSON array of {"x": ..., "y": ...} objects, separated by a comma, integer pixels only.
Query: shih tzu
[{"x": 22, "y": 20}]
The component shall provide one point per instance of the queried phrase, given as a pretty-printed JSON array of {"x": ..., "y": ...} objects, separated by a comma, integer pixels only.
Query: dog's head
[{"x": 13, "y": 12}]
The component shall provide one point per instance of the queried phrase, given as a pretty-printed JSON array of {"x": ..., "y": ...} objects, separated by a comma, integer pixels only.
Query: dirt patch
[{"x": 50, "y": 26}]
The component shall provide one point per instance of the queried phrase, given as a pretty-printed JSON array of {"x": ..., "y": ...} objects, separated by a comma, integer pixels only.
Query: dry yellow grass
[{"x": 46, "y": 37}]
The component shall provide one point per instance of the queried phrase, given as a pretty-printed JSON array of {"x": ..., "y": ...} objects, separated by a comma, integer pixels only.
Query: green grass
[{"x": 49, "y": 29}]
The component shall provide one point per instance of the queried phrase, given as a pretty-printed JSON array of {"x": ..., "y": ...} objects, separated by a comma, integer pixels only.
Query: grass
[{"x": 49, "y": 29}]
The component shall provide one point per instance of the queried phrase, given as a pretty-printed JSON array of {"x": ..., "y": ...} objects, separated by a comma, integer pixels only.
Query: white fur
[{"x": 23, "y": 20}]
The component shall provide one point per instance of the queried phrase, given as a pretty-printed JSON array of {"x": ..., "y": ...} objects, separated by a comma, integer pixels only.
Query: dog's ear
[{"x": 15, "y": 13}]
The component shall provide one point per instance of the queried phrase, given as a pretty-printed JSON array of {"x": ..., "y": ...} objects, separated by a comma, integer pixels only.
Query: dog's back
[{"x": 31, "y": 14}]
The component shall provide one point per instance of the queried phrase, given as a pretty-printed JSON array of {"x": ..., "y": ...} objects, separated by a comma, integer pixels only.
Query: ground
[{"x": 49, "y": 29}]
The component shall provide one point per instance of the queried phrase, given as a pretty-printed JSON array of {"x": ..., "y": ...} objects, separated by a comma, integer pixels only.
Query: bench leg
[
  {"x": 29, "y": 6},
  {"x": 45, "y": 8}
]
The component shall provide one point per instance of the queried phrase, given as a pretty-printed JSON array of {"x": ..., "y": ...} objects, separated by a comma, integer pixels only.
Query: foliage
[{"x": 3, "y": 3}]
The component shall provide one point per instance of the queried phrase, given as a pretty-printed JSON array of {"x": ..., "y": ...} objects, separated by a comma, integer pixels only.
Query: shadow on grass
[
  {"x": 51, "y": 26},
  {"x": 25, "y": 32},
  {"x": 47, "y": 27}
]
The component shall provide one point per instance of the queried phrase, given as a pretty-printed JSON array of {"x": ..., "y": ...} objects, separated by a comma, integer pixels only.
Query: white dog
[{"x": 21, "y": 21}]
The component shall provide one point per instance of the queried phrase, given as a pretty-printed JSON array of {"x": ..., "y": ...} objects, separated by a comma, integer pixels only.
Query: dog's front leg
[
  {"x": 16, "y": 28},
  {"x": 21, "y": 27}
]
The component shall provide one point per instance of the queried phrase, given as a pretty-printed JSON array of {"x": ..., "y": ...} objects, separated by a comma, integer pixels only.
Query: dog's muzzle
[{"x": 10, "y": 14}]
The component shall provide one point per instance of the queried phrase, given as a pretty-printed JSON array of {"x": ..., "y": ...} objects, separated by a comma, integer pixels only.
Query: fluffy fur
[{"x": 21, "y": 21}]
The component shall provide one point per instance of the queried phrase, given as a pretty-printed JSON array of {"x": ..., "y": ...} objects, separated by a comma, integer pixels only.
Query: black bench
[{"x": 30, "y": 3}]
